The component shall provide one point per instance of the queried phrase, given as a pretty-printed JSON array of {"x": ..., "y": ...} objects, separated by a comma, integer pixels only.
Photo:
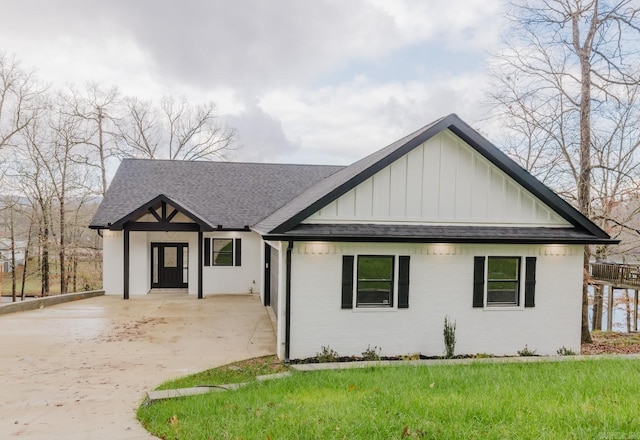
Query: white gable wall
[
  {"x": 441, "y": 284},
  {"x": 443, "y": 181}
]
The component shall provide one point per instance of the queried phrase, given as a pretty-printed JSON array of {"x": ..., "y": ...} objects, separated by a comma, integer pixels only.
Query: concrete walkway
[{"x": 79, "y": 370}]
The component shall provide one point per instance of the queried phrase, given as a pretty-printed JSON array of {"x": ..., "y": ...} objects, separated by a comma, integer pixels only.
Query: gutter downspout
[{"x": 287, "y": 319}]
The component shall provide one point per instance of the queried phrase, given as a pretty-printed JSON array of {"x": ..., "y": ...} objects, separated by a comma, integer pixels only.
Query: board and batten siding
[
  {"x": 443, "y": 181},
  {"x": 441, "y": 284}
]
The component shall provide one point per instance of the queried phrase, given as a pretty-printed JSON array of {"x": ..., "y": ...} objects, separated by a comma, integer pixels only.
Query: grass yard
[
  {"x": 89, "y": 278},
  {"x": 547, "y": 400}
]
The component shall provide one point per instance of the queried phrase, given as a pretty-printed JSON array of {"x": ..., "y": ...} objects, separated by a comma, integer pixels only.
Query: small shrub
[
  {"x": 371, "y": 354},
  {"x": 410, "y": 357},
  {"x": 483, "y": 355},
  {"x": 327, "y": 355},
  {"x": 449, "y": 334},
  {"x": 564, "y": 351},
  {"x": 526, "y": 351}
]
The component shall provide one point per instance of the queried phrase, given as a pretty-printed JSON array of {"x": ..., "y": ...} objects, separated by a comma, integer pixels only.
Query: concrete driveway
[{"x": 80, "y": 369}]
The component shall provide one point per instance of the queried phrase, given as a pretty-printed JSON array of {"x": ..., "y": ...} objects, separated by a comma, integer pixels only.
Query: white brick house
[{"x": 440, "y": 223}]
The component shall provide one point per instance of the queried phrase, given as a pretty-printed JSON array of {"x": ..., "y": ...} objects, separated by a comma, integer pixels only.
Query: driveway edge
[{"x": 41, "y": 303}]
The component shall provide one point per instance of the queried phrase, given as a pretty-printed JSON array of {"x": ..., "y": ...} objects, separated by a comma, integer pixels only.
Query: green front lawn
[{"x": 549, "y": 400}]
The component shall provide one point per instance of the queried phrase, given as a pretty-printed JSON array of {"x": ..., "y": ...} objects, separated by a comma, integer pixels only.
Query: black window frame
[
  {"x": 517, "y": 283},
  {"x": 390, "y": 281}
]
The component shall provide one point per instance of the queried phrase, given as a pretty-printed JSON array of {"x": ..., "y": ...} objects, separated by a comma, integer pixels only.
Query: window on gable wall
[
  {"x": 375, "y": 284},
  {"x": 503, "y": 281},
  {"x": 375, "y": 281},
  {"x": 503, "y": 284}
]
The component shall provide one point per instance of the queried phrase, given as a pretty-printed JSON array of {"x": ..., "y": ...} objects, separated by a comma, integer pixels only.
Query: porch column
[
  {"x": 200, "y": 264},
  {"x": 126, "y": 264}
]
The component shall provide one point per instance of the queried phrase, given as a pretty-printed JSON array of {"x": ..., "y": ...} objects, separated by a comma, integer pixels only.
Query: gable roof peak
[{"x": 329, "y": 189}]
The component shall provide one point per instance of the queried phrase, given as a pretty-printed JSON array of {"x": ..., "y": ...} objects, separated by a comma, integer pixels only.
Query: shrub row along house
[{"x": 439, "y": 223}]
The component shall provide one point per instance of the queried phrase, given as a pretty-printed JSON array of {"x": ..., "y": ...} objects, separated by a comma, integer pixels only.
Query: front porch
[{"x": 162, "y": 245}]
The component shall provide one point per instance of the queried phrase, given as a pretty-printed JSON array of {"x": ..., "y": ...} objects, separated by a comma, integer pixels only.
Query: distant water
[{"x": 619, "y": 313}]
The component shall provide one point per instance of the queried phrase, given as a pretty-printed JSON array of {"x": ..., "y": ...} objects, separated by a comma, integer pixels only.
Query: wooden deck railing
[{"x": 616, "y": 274}]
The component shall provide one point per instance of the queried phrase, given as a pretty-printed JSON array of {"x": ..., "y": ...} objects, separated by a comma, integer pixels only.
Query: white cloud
[
  {"x": 261, "y": 137},
  {"x": 343, "y": 123},
  {"x": 281, "y": 71}
]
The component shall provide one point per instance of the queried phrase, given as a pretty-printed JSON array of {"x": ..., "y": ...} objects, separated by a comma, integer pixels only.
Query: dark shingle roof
[
  {"x": 437, "y": 234},
  {"x": 230, "y": 194},
  {"x": 274, "y": 199}
]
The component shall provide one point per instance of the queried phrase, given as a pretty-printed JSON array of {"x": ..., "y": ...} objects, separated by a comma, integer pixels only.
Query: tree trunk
[
  {"x": 63, "y": 251},
  {"x": 585, "y": 334},
  {"x": 600, "y": 299},
  {"x": 584, "y": 177},
  {"x": 627, "y": 309},
  {"x": 597, "y": 308},
  {"x": 74, "y": 258},
  {"x": 45, "y": 253},
  {"x": 26, "y": 260},
  {"x": 101, "y": 152},
  {"x": 13, "y": 255}
]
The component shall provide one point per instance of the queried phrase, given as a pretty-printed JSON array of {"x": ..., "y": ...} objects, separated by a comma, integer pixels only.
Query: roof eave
[{"x": 412, "y": 239}]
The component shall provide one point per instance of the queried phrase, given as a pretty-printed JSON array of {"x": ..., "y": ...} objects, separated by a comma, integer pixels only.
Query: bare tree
[
  {"x": 567, "y": 83},
  {"x": 19, "y": 92},
  {"x": 175, "y": 130},
  {"x": 34, "y": 180},
  {"x": 98, "y": 109},
  {"x": 8, "y": 208},
  {"x": 140, "y": 130}
]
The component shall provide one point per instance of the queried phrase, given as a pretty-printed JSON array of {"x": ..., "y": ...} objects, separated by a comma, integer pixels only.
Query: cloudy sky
[{"x": 306, "y": 81}]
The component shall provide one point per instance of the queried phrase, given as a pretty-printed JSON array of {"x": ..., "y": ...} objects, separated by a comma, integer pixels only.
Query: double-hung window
[
  {"x": 503, "y": 281},
  {"x": 499, "y": 281},
  {"x": 375, "y": 281},
  {"x": 222, "y": 251}
]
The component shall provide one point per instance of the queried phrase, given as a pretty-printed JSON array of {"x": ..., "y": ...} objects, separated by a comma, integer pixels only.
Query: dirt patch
[
  {"x": 262, "y": 365},
  {"x": 613, "y": 343},
  {"x": 130, "y": 331}
]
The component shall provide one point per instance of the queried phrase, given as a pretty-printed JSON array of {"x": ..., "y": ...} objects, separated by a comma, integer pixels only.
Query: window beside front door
[{"x": 222, "y": 251}]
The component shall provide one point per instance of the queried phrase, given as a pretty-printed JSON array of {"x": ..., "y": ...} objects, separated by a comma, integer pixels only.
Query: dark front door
[{"x": 169, "y": 265}]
